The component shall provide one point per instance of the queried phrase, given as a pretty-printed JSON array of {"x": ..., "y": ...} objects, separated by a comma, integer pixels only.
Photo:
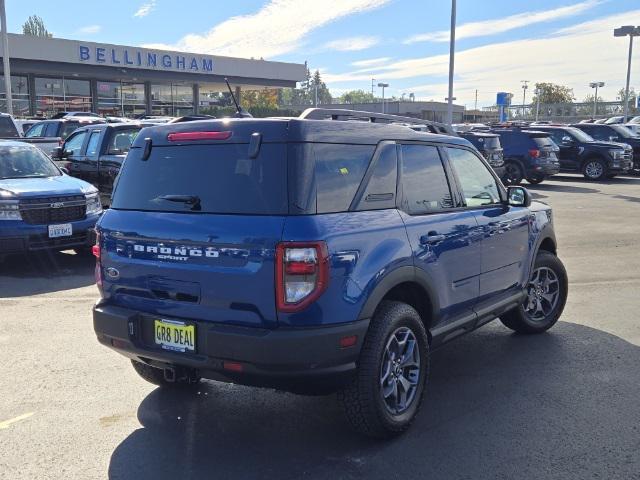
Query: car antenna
[{"x": 240, "y": 112}]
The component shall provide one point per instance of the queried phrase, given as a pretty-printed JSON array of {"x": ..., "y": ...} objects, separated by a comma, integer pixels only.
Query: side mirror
[
  {"x": 57, "y": 153},
  {"x": 518, "y": 197}
]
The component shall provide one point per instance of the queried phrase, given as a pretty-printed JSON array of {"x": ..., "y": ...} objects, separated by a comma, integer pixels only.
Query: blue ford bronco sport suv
[
  {"x": 316, "y": 254},
  {"x": 41, "y": 207}
]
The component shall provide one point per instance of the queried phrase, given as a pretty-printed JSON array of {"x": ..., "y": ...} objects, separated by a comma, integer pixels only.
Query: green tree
[
  {"x": 35, "y": 26},
  {"x": 632, "y": 98},
  {"x": 553, "y": 93},
  {"x": 324, "y": 96},
  {"x": 357, "y": 96}
]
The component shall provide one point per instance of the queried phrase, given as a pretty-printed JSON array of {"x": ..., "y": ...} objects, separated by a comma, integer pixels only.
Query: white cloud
[
  {"x": 145, "y": 9},
  {"x": 352, "y": 44},
  {"x": 500, "y": 25},
  {"x": 371, "y": 62},
  {"x": 277, "y": 28},
  {"x": 89, "y": 29},
  {"x": 572, "y": 57}
]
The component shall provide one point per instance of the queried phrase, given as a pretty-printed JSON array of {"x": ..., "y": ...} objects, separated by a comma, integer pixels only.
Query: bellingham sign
[{"x": 135, "y": 58}]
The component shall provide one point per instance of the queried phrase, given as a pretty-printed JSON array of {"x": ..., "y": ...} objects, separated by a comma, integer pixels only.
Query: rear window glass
[
  {"x": 68, "y": 128},
  {"x": 544, "y": 142},
  {"x": 7, "y": 128},
  {"x": 339, "y": 171},
  {"x": 204, "y": 179},
  {"x": 489, "y": 142},
  {"x": 121, "y": 141}
]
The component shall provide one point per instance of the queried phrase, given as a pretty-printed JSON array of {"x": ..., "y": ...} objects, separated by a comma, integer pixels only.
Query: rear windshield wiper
[{"x": 192, "y": 200}]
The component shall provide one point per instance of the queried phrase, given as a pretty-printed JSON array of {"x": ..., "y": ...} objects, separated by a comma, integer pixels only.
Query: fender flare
[
  {"x": 396, "y": 277},
  {"x": 546, "y": 233}
]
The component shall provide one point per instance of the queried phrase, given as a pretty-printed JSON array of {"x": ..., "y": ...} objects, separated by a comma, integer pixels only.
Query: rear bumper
[
  {"x": 301, "y": 359},
  {"x": 20, "y": 237},
  {"x": 545, "y": 169}
]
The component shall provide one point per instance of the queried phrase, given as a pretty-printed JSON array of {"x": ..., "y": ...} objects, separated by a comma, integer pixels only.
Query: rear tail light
[
  {"x": 190, "y": 136},
  {"x": 534, "y": 153},
  {"x": 98, "y": 271},
  {"x": 302, "y": 274}
]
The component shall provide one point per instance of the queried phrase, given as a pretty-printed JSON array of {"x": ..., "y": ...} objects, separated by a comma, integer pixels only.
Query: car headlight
[
  {"x": 93, "y": 204},
  {"x": 616, "y": 154},
  {"x": 9, "y": 210}
]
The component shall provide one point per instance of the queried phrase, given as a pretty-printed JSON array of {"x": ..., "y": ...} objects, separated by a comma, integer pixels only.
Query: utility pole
[
  {"x": 631, "y": 31},
  {"x": 538, "y": 91},
  {"x": 316, "y": 94},
  {"x": 5, "y": 58},
  {"x": 475, "y": 104},
  {"x": 372, "y": 94},
  {"x": 524, "y": 95},
  {"x": 383, "y": 85},
  {"x": 452, "y": 51}
]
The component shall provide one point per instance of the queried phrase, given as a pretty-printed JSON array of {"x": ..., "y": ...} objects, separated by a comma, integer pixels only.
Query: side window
[
  {"x": 478, "y": 186},
  {"x": 93, "y": 145},
  {"x": 424, "y": 183},
  {"x": 36, "y": 130},
  {"x": 339, "y": 171},
  {"x": 68, "y": 128},
  {"x": 121, "y": 141},
  {"x": 52, "y": 129},
  {"x": 381, "y": 189},
  {"x": 599, "y": 133},
  {"x": 557, "y": 135},
  {"x": 74, "y": 143}
]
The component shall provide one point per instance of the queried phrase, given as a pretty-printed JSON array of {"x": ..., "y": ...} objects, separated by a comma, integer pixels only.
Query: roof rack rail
[{"x": 340, "y": 114}]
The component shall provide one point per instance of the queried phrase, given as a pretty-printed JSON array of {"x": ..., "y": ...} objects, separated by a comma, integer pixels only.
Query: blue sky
[{"x": 401, "y": 42}]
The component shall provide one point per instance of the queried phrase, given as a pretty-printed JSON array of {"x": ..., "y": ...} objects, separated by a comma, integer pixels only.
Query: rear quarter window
[{"x": 7, "y": 128}]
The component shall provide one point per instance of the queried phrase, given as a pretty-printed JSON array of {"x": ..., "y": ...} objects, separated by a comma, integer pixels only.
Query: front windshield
[
  {"x": 623, "y": 131},
  {"x": 580, "y": 135},
  {"x": 25, "y": 162}
]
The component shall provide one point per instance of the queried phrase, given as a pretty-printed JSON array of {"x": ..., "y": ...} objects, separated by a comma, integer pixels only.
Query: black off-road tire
[
  {"x": 362, "y": 399},
  {"x": 156, "y": 376},
  {"x": 535, "y": 179},
  {"x": 518, "y": 319}
]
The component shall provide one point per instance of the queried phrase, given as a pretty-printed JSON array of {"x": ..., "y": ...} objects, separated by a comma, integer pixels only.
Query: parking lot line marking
[{"x": 7, "y": 423}]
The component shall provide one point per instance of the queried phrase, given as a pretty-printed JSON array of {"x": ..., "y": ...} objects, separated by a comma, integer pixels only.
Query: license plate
[
  {"x": 64, "y": 230},
  {"x": 175, "y": 335}
]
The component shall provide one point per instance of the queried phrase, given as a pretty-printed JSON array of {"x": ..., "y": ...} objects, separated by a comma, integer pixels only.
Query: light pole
[
  {"x": 524, "y": 94},
  {"x": 631, "y": 31},
  {"x": 5, "y": 58},
  {"x": 383, "y": 85},
  {"x": 595, "y": 98},
  {"x": 372, "y": 80},
  {"x": 537, "y": 91},
  {"x": 452, "y": 52}
]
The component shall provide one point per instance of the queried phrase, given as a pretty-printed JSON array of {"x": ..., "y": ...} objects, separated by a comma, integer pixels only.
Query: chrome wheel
[
  {"x": 400, "y": 371},
  {"x": 543, "y": 293},
  {"x": 594, "y": 169}
]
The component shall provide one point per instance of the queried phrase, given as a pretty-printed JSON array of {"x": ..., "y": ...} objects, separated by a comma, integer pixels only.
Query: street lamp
[
  {"x": 631, "y": 31},
  {"x": 383, "y": 85},
  {"x": 595, "y": 98},
  {"x": 452, "y": 52},
  {"x": 524, "y": 94},
  {"x": 538, "y": 92},
  {"x": 372, "y": 80},
  {"x": 5, "y": 58}
]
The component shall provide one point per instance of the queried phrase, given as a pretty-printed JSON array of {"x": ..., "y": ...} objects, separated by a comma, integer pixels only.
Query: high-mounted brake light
[
  {"x": 190, "y": 136},
  {"x": 302, "y": 274},
  {"x": 534, "y": 153}
]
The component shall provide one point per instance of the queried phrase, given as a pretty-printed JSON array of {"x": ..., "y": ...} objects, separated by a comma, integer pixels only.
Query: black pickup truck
[
  {"x": 596, "y": 160},
  {"x": 95, "y": 153}
]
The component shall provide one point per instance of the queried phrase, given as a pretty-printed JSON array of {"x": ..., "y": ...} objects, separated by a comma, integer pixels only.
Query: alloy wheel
[
  {"x": 594, "y": 169},
  {"x": 400, "y": 371},
  {"x": 543, "y": 293}
]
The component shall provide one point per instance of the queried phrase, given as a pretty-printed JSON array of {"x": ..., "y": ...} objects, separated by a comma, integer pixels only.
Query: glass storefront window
[
  {"x": 174, "y": 100},
  {"x": 55, "y": 95},
  {"x": 19, "y": 95},
  {"x": 121, "y": 99}
]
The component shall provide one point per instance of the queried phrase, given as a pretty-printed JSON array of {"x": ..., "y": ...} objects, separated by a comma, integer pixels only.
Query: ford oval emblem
[{"x": 112, "y": 273}]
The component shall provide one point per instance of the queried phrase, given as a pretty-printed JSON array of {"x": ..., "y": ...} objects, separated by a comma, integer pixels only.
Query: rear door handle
[{"x": 431, "y": 238}]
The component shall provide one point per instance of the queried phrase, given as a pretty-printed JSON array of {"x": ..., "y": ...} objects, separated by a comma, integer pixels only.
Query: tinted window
[
  {"x": 339, "y": 171},
  {"x": 25, "y": 162},
  {"x": 121, "y": 141},
  {"x": 381, "y": 188},
  {"x": 52, "y": 129},
  {"x": 220, "y": 178},
  {"x": 68, "y": 128},
  {"x": 7, "y": 128},
  {"x": 93, "y": 145},
  {"x": 424, "y": 183},
  {"x": 598, "y": 132},
  {"x": 479, "y": 187},
  {"x": 74, "y": 144},
  {"x": 36, "y": 130},
  {"x": 544, "y": 142},
  {"x": 558, "y": 135}
]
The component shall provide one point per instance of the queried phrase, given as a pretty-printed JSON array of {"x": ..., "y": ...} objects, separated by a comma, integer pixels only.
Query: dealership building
[{"x": 49, "y": 75}]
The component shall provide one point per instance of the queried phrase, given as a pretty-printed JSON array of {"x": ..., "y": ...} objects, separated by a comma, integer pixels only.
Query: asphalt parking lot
[{"x": 559, "y": 405}]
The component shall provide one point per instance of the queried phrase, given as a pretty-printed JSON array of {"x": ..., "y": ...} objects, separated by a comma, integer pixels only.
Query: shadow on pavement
[
  {"x": 555, "y": 187},
  {"x": 44, "y": 272},
  {"x": 499, "y": 405}
]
